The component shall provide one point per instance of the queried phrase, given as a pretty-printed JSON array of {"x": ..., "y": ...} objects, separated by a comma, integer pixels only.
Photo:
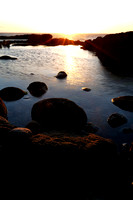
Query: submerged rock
[
  {"x": 37, "y": 88},
  {"x": 61, "y": 75},
  {"x": 59, "y": 113},
  {"x": 7, "y": 58},
  {"x": 124, "y": 102},
  {"x": 11, "y": 93},
  {"x": 3, "y": 109},
  {"x": 86, "y": 89},
  {"x": 116, "y": 120}
]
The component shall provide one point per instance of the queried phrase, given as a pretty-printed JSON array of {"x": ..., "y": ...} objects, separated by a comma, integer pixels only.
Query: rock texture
[
  {"x": 124, "y": 102},
  {"x": 37, "y": 88},
  {"x": 58, "y": 113},
  {"x": 3, "y": 109},
  {"x": 116, "y": 120},
  {"x": 61, "y": 75},
  {"x": 11, "y": 93},
  {"x": 114, "y": 51}
]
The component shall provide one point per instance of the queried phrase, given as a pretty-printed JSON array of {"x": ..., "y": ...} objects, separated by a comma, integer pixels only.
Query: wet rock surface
[
  {"x": 59, "y": 113},
  {"x": 7, "y": 58},
  {"x": 12, "y": 93},
  {"x": 61, "y": 75},
  {"x": 124, "y": 102},
  {"x": 37, "y": 88},
  {"x": 3, "y": 109},
  {"x": 116, "y": 120}
]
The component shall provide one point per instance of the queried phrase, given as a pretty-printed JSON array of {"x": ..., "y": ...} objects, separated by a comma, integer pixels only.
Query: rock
[
  {"x": 124, "y": 102},
  {"x": 37, "y": 89},
  {"x": 114, "y": 51},
  {"x": 58, "y": 113},
  {"x": 19, "y": 136},
  {"x": 61, "y": 75},
  {"x": 5, "y": 128},
  {"x": 90, "y": 128},
  {"x": 127, "y": 130},
  {"x": 86, "y": 89},
  {"x": 7, "y": 58},
  {"x": 116, "y": 120},
  {"x": 92, "y": 144},
  {"x": 34, "y": 127},
  {"x": 3, "y": 109},
  {"x": 11, "y": 93}
]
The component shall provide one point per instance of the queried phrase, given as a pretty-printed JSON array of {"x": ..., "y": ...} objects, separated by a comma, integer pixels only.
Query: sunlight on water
[{"x": 83, "y": 69}]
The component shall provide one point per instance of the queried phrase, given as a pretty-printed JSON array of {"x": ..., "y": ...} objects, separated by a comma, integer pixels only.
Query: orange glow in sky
[{"x": 66, "y": 16}]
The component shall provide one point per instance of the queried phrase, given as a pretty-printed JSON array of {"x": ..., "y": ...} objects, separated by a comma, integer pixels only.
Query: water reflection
[{"x": 73, "y": 66}]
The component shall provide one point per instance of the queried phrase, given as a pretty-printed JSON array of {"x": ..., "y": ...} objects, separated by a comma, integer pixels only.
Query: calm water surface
[{"x": 83, "y": 69}]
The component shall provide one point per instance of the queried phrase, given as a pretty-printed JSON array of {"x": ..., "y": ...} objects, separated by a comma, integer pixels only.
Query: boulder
[
  {"x": 124, "y": 102},
  {"x": 19, "y": 136},
  {"x": 61, "y": 75},
  {"x": 92, "y": 144},
  {"x": 11, "y": 93},
  {"x": 5, "y": 128},
  {"x": 34, "y": 127},
  {"x": 7, "y": 58},
  {"x": 3, "y": 109},
  {"x": 37, "y": 89},
  {"x": 59, "y": 113},
  {"x": 116, "y": 120}
]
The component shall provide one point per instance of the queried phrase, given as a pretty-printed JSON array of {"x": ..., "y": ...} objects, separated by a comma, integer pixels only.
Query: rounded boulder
[
  {"x": 37, "y": 88},
  {"x": 11, "y": 93},
  {"x": 58, "y": 113}
]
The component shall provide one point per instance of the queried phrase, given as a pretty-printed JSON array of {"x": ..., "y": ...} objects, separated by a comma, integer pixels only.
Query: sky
[{"x": 66, "y": 16}]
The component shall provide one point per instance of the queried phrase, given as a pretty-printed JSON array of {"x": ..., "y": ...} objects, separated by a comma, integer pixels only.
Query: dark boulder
[
  {"x": 114, "y": 52},
  {"x": 34, "y": 127},
  {"x": 61, "y": 75},
  {"x": 37, "y": 88},
  {"x": 11, "y": 93},
  {"x": 3, "y": 109},
  {"x": 19, "y": 136},
  {"x": 7, "y": 58},
  {"x": 124, "y": 102},
  {"x": 5, "y": 128},
  {"x": 116, "y": 120},
  {"x": 58, "y": 113}
]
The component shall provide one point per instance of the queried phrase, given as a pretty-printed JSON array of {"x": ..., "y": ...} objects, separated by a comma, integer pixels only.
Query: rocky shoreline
[
  {"x": 113, "y": 50},
  {"x": 59, "y": 146},
  {"x": 59, "y": 141}
]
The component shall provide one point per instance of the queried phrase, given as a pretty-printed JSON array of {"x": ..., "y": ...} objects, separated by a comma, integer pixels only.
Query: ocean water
[{"x": 42, "y": 63}]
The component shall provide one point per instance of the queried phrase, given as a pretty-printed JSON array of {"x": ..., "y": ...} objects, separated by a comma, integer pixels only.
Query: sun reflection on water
[{"x": 73, "y": 65}]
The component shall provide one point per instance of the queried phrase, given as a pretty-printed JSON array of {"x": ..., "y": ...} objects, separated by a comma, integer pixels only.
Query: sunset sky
[{"x": 66, "y": 16}]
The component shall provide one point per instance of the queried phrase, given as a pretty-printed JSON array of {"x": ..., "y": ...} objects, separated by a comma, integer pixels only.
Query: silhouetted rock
[
  {"x": 86, "y": 89},
  {"x": 7, "y": 58},
  {"x": 19, "y": 136},
  {"x": 114, "y": 51},
  {"x": 39, "y": 39},
  {"x": 34, "y": 127},
  {"x": 61, "y": 75},
  {"x": 5, "y": 127},
  {"x": 11, "y": 93},
  {"x": 90, "y": 128},
  {"x": 116, "y": 120},
  {"x": 124, "y": 102},
  {"x": 3, "y": 109},
  {"x": 37, "y": 88},
  {"x": 58, "y": 113}
]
